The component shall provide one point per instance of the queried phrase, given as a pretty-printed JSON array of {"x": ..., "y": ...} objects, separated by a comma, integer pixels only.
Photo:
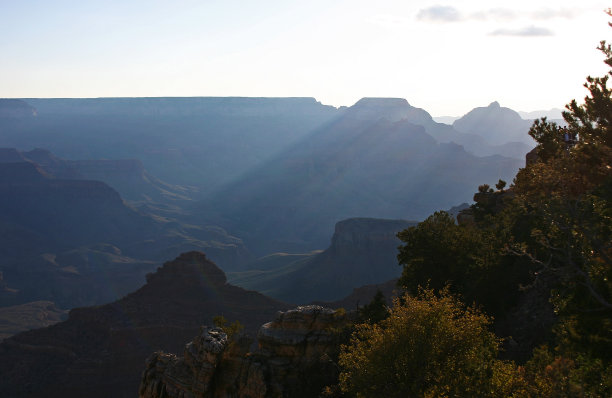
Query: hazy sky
[{"x": 445, "y": 56}]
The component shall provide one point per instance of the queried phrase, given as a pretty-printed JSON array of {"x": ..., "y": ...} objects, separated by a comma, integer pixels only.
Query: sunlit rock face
[{"x": 294, "y": 358}]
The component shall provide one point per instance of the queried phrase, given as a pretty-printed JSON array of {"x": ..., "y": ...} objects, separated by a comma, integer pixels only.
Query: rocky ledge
[{"x": 295, "y": 357}]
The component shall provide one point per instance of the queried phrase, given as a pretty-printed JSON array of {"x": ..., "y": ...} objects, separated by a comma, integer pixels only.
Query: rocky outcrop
[
  {"x": 465, "y": 217},
  {"x": 100, "y": 351},
  {"x": 295, "y": 357}
]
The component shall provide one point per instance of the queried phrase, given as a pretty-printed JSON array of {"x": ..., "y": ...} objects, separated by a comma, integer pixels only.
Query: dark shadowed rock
[
  {"x": 59, "y": 209},
  {"x": 100, "y": 351},
  {"x": 363, "y": 251},
  {"x": 295, "y": 358},
  {"x": 56, "y": 227},
  {"x": 38, "y": 314},
  {"x": 21, "y": 173},
  {"x": 365, "y": 294},
  {"x": 127, "y": 176}
]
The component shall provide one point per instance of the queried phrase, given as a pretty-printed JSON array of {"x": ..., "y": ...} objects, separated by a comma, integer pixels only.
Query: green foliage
[
  {"x": 376, "y": 310},
  {"x": 551, "y": 230},
  {"x": 568, "y": 195},
  {"x": 552, "y": 375},
  {"x": 468, "y": 258},
  {"x": 438, "y": 252},
  {"x": 501, "y": 184},
  {"x": 555, "y": 222},
  {"x": 231, "y": 330},
  {"x": 429, "y": 346}
]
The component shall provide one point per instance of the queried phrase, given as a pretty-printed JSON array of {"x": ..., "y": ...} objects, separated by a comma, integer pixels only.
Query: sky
[{"x": 444, "y": 56}]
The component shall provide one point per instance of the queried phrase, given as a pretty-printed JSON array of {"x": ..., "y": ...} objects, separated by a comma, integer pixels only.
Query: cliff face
[
  {"x": 363, "y": 251},
  {"x": 179, "y": 106},
  {"x": 294, "y": 358},
  {"x": 201, "y": 142},
  {"x": 127, "y": 176},
  {"x": 55, "y": 226},
  {"x": 60, "y": 209},
  {"x": 99, "y": 351},
  {"x": 356, "y": 233},
  {"x": 382, "y": 158}
]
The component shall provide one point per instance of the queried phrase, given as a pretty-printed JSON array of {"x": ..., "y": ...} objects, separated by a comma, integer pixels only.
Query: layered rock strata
[{"x": 295, "y": 357}]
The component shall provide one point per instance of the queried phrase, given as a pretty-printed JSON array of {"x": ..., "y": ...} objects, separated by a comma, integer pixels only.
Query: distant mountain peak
[
  {"x": 381, "y": 101},
  {"x": 189, "y": 269},
  {"x": 392, "y": 109},
  {"x": 497, "y": 124}
]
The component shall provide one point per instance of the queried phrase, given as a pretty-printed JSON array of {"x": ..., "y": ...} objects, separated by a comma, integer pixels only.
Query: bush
[{"x": 428, "y": 346}]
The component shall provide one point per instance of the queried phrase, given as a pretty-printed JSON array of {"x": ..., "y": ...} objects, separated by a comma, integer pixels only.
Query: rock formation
[
  {"x": 204, "y": 142},
  {"x": 60, "y": 208},
  {"x": 126, "y": 176},
  {"x": 74, "y": 241},
  {"x": 295, "y": 357},
  {"x": 100, "y": 351},
  {"x": 363, "y": 251},
  {"x": 353, "y": 233},
  {"x": 497, "y": 124},
  {"x": 363, "y": 164}
]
